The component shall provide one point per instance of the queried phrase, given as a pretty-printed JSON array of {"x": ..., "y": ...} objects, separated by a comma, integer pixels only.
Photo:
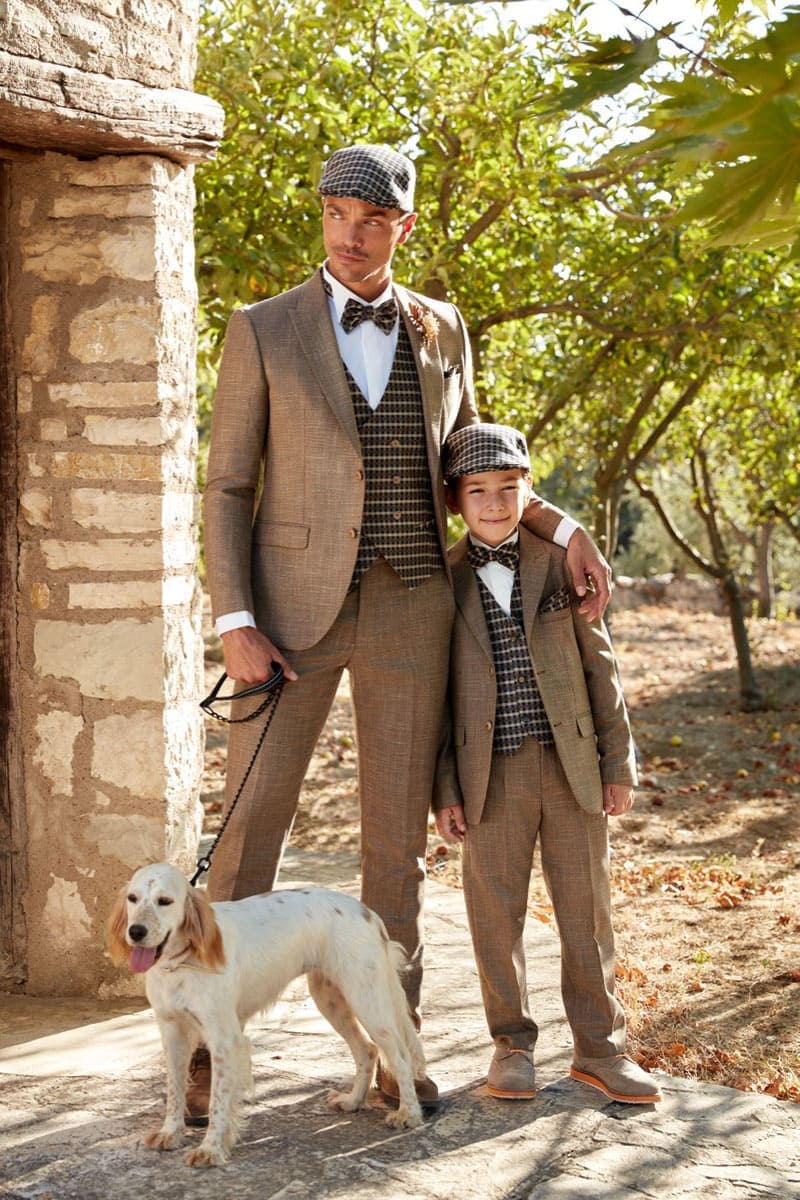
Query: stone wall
[
  {"x": 150, "y": 41},
  {"x": 103, "y": 336}
]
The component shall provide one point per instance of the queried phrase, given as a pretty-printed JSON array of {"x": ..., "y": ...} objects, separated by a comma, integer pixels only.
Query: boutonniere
[{"x": 425, "y": 323}]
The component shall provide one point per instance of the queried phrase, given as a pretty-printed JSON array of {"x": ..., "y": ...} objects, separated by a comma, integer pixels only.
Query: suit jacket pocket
[
  {"x": 287, "y": 537},
  {"x": 558, "y": 602},
  {"x": 585, "y": 723}
]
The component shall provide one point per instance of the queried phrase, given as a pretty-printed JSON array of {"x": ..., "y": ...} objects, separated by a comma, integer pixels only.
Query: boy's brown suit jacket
[{"x": 576, "y": 671}]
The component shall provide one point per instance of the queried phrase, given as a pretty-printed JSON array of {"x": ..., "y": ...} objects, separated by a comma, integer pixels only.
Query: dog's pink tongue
[{"x": 142, "y": 958}]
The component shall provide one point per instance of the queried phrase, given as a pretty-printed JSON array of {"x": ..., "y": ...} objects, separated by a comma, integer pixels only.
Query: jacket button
[
  {"x": 359, "y": 474},
  {"x": 353, "y": 533},
  {"x": 489, "y": 725}
]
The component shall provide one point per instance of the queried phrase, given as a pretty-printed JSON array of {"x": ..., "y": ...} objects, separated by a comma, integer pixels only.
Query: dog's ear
[
  {"x": 118, "y": 948},
  {"x": 202, "y": 930}
]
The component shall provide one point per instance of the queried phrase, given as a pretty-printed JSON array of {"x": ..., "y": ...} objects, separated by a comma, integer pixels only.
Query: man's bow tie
[
  {"x": 384, "y": 315},
  {"x": 507, "y": 556}
]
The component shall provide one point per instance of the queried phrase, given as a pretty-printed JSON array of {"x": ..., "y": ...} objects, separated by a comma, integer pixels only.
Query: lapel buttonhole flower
[{"x": 425, "y": 323}]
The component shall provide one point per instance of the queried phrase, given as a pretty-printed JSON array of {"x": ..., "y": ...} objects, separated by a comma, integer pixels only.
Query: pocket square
[
  {"x": 558, "y": 600},
  {"x": 453, "y": 369}
]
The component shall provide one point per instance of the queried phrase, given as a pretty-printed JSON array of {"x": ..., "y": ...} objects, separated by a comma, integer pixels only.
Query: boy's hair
[{"x": 478, "y": 448}]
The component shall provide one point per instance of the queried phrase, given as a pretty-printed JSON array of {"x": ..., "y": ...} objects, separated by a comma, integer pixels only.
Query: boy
[{"x": 541, "y": 748}]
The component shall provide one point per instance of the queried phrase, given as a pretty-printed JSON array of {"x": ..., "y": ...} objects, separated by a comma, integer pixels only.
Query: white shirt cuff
[
  {"x": 236, "y": 620},
  {"x": 564, "y": 531}
]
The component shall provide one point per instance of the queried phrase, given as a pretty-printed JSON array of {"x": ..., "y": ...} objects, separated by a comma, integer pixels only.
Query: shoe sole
[
  {"x": 595, "y": 1082},
  {"x": 501, "y": 1095}
]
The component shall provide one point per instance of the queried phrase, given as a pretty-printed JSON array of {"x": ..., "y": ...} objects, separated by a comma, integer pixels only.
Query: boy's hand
[
  {"x": 450, "y": 823},
  {"x": 617, "y": 799},
  {"x": 585, "y": 561}
]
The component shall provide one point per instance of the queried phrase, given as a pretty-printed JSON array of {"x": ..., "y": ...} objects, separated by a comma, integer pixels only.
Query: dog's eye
[
  {"x": 132, "y": 897},
  {"x": 164, "y": 901}
]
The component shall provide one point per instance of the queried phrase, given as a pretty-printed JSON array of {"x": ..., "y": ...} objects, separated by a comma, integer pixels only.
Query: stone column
[{"x": 103, "y": 326}]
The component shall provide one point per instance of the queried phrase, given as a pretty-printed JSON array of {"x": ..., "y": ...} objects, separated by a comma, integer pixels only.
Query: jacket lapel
[
  {"x": 468, "y": 597},
  {"x": 317, "y": 340},
  {"x": 533, "y": 559},
  {"x": 429, "y": 369}
]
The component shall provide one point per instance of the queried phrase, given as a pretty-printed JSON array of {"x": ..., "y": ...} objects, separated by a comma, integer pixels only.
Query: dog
[{"x": 211, "y": 967}]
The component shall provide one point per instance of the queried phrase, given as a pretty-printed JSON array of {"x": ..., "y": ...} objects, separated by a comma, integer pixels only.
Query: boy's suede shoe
[
  {"x": 198, "y": 1091},
  {"x": 512, "y": 1075},
  {"x": 426, "y": 1089},
  {"x": 619, "y": 1077}
]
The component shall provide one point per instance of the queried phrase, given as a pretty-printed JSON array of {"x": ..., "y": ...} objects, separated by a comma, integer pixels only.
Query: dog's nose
[{"x": 137, "y": 932}]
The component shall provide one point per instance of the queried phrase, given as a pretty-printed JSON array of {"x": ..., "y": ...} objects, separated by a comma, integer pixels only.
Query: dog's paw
[
  {"x": 344, "y": 1101},
  {"x": 165, "y": 1138},
  {"x": 404, "y": 1117},
  {"x": 205, "y": 1156}
]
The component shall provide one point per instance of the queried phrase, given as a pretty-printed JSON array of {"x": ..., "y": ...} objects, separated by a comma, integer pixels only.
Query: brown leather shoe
[
  {"x": 618, "y": 1077},
  {"x": 512, "y": 1075},
  {"x": 426, "y": 1089},
  {"x": 198, "y": 1091}
]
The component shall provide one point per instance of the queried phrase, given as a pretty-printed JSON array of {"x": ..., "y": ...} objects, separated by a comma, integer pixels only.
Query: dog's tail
[{"x": 398, "y": 962}]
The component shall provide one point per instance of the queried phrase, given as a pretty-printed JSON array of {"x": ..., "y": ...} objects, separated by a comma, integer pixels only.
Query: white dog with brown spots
[{"x": 211, "y": 967}]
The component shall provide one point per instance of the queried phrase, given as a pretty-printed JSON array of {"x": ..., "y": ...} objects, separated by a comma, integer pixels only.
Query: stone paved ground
[{"x": 75, "y": 1103}]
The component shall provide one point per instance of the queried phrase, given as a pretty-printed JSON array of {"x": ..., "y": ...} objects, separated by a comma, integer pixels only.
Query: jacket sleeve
[
  {"x": 238, "y": 434},
  {"x": 615, "y": 745}
]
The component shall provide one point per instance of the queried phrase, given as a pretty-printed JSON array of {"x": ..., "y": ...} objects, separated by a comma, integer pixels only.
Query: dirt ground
[{"x": 706, "y": 868}]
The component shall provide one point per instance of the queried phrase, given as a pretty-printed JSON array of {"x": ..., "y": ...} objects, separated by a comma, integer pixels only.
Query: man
[{"x": 341, "y": 392}]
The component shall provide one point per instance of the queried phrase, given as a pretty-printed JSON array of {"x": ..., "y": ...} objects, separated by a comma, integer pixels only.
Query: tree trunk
[
  {"x": 608, "y": 501},
  {"x": 750, "y": 695},
  {"x": 766, "y": 583}
]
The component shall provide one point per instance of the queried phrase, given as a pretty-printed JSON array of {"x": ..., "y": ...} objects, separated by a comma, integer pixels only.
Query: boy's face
[{"x": 491, "y": 503}]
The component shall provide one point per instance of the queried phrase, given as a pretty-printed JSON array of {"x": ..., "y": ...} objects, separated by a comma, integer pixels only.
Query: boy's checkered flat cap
[
  {"x": 478, "y": 448},
  {"x": 375, "y": 174}
]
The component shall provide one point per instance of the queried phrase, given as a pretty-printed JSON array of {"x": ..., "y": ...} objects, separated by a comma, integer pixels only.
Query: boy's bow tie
[
  {"x": 384, "y": 315},
  {"x": 507, "y": 556}
]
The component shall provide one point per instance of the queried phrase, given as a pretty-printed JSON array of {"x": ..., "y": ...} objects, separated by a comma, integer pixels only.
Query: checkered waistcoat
[
  {"x": 520, "y": 710},
  {"x": 398, "y": 523}
]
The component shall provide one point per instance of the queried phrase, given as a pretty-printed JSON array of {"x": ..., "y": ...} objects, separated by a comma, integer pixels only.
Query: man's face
[
  {"x": 491, "y": 503},
  {"x": 360, "y": 240}
]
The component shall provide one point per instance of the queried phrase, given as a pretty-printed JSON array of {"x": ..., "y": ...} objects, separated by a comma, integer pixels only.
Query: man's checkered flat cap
[
  {"x": 478, "y": 448},
  {"x": 375, "y": 174}
]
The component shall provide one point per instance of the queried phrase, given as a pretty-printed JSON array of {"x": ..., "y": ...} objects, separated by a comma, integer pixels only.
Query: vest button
[
  {"x": 353, "y": 533},
  {"x": 397, "y": 516},
  {"x": 396, "y": 479},
  {"x": 395, "y": 443}
]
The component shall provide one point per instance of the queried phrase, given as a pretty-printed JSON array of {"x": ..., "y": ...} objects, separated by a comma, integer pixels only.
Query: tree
[
  {"x": 726, "y": 109},
  {"x": 717, "y": 449}
]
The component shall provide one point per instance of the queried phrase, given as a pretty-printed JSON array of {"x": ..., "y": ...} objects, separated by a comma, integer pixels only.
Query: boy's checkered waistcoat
[
  {"x": 520, "y": 710},
  {"x": 398, "y": 523}
]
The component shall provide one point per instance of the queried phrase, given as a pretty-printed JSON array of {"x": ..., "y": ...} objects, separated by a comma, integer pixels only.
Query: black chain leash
[{"x": 273, "y": 688}]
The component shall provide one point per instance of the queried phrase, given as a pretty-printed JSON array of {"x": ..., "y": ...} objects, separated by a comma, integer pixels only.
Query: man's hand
[
  {"x": 617, "y": 799},
  {"x": 585, "y": 561},
  {"x": 450, "y": 823},
  {"x": 249, "y": 655}
]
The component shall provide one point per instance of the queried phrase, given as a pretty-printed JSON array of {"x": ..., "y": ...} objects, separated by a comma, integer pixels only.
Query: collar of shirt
[
  {"x": 498, "y": 578},
  {"x": 367, "y": 353},
  {"x": 341, "y": 294}
]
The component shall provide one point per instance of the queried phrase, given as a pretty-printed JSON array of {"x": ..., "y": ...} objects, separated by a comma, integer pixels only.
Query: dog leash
[{"x": 271, "y": 688}]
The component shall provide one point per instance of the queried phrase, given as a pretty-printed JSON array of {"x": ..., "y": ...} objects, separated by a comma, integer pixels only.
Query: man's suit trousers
[{"x": 394, "y": 641}]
